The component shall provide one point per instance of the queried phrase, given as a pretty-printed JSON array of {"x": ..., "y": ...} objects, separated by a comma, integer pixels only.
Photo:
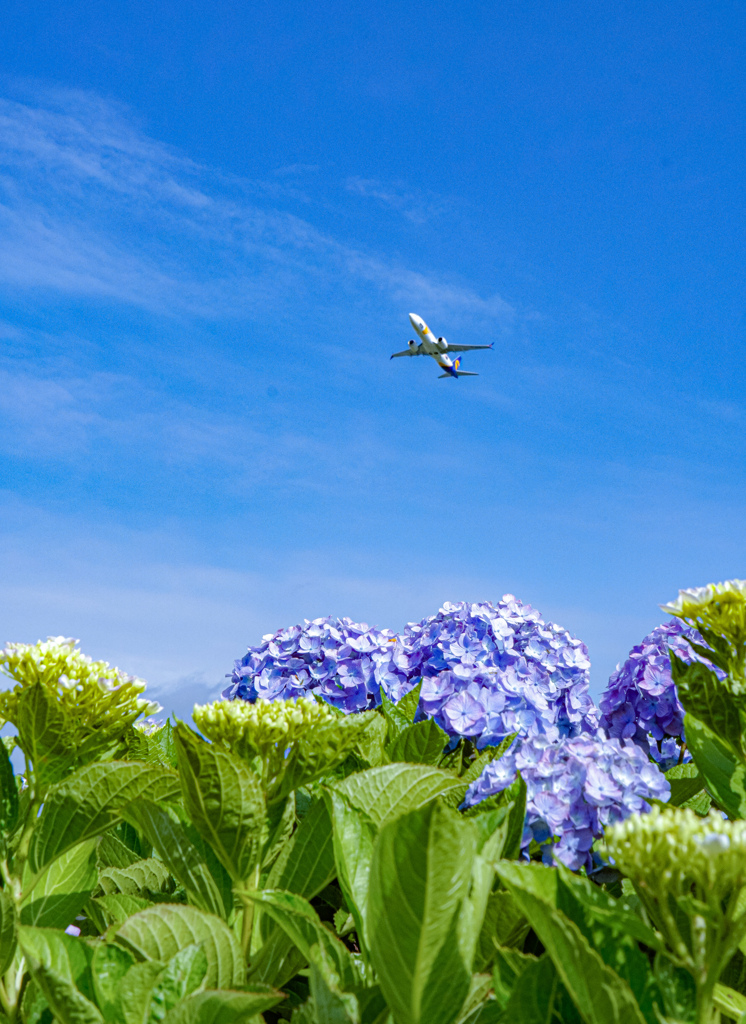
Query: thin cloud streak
[{"x": 91, "y": 206}]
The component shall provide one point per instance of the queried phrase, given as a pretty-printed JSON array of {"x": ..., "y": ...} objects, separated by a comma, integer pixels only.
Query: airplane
[{"x": 438, "y": 348}]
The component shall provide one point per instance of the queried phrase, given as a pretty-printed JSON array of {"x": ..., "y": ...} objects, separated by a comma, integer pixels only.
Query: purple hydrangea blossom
[
  {"x": 574, "y": 787},
  {"x": 487, "y": 670},
  {"x": 334, "y": 658},
  {"x": 640, "y": 701}
]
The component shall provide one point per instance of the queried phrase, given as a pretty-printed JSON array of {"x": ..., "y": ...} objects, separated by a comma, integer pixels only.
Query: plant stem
[{"x": 247, "y": 925}]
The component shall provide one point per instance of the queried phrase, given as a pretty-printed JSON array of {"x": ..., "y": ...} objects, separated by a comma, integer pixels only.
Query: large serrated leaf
[
  {"x": 711, "y": 700},
  {"x": 90, "y": 801},
  {"x": 104, "y": 911},
  {"x": 599, "y": 993},
  {"x": 43, "y": 734},
  {"x": 354, "y": 837},
  {"x": 186, "y": 856},
  {"x": 109, "y": 966},
  {"x": 419, "y": 879},
  {"x": 391, "y": 790},
  {"x": 159, "y": 932},
  {"x": 420, "y": 743},
  {"x": 306, "y": 864},
  {"x": 685, "y": 782},
  {"x": 143, "y": 878},
  {"x": 224, "y": 799},
  {"x": 301, "y": 923},
  {"x": 57, "y": 895},
  {"x": 724, "y": 774},
  {"x": 223, "y": 1007},
  {"x": 68, "y": 1004},
  {"x": 181, "y": 976}
]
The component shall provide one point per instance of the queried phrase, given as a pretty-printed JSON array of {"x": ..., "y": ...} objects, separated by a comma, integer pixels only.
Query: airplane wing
[
  {"x": 408, "y": 352},
  {"x": 465, "y": 348},
  {"x": 459, "y": 373}
]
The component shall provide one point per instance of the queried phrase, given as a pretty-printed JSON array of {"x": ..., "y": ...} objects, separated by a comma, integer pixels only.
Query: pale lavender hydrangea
[
  {"x": 487, "y": 670},
  {"x": 640, "y": 701},
  {"x": 575, "y": 787}
]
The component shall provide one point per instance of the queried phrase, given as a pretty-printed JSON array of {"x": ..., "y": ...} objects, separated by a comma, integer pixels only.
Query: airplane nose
[{"x": 414, "y": 320}]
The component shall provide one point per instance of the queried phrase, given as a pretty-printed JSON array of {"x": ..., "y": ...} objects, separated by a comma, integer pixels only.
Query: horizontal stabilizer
[{"x": 460, "y": 373}]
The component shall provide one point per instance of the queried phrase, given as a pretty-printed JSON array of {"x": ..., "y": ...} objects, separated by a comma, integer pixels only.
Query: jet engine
[
  {"x": 442, "y": 344},
  {"x": 412, "y": 343}
]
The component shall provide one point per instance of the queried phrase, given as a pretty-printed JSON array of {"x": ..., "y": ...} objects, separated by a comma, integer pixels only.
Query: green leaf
[
  {"x": 159, "y": 932},
  {"x": 8, "y": 793},
  {"x": 419, "y": 879},
  {"x": 8, "y": 930},
  {"x": 57, "y": 896},
  {"x": 711, "y": 700},
  {"x": 685, "y": 782},
  {"x": 182, "y": 975},
  {"x": 90, "y": 802},
  {"x": 354, "y": 836},
  {"x": 301, "y": 924},
  {"x": 396, "y": 719},
  {"x": 537, "y": 995},
  {"x": 109, "y": 966},
  {"x": 104, "y": 911},
  {"x": 161, "y": 746},
  {"x": 43, "y": 734},
  {"x": 223, "y": 1007},
  {"x": 187, "y": 857},
  {"x": 306, "y": 864},
  {"x": 277, "y": 961},
  {"x": 509, "y": 966},
  {"x": 68, "y": 1004},
  {"x": 142, "y": 878},
  {"x": 371, "y": 744},
  {"x": 113, "y": 853},
  {"x": 135, "y": 991},
  {"x": 723, "y": 773},
  {"x": 599, "y": 993},
  {"x": 391, "y": 790},
  {"x": 421, "y": 743},
  {"x": 730, "y": 1002},
  {"x": 332, "y": 1005},
  {"x": 516, "y": 793},
  {"x": 66, "y": 954},
  {"x": 224, "y": 799},
  {"x": 409, "y": 703}
]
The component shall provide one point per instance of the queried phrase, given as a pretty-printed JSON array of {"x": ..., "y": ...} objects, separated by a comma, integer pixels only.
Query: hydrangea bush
[{"x": 290, "y": 861}]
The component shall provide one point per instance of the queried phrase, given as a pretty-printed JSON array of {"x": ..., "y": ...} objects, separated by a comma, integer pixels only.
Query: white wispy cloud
[
  {"x": 418, "y": 207},
  {"x": 92, "y": 206}
]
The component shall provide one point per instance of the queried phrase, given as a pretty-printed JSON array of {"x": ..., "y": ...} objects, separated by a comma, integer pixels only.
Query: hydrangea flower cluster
[
  {"x": 487, "y": 670},
  {"x": 574, "y": 788},
  {"x": 640, "y": 701}
]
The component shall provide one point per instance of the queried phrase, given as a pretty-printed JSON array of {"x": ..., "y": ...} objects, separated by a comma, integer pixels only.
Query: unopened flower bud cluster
[
  {"x": 240, "y": 726},
  {"x": 673, "y": 849},
  {"x": 93, "y": 690}
]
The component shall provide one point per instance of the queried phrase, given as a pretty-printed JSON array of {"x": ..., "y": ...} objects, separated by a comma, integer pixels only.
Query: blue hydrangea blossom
[
  {"x": 640, "y": 701},
  {"x": 575, "y": 787},
  {"x": 487, "y": 670}
]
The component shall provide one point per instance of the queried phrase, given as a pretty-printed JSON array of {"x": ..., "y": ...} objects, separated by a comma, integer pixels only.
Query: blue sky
[{"x": 214, "y": 219}]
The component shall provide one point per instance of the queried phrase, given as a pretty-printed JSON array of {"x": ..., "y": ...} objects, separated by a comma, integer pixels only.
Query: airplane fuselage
[{"x": 435, "y": 347}]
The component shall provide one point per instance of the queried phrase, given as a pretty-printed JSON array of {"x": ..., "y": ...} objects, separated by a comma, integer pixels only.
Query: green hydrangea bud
[
  {"x": 718, "y": 607},
  {"x": 674, "y": 850},
  {"x": 98, "y": 702},
  {"x": 290, "y": 742}
]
